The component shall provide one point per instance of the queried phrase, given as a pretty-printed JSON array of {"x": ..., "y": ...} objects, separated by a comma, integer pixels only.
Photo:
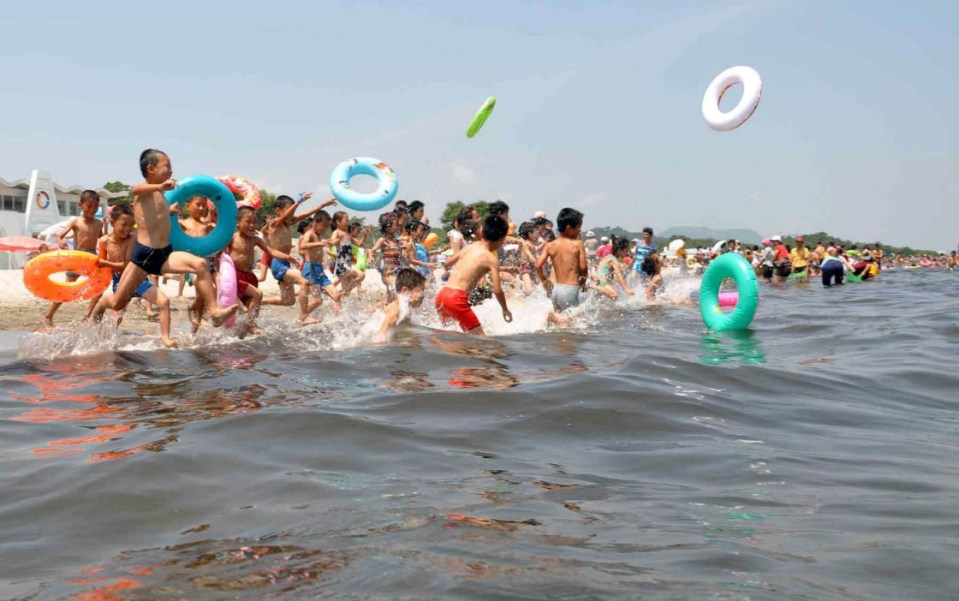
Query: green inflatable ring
[
  {"x": 481, "y": 116},
  {"x": 852, "y": 278},
  {"x": 725, "y": 266},
  {"x": 360, "y": 258}
]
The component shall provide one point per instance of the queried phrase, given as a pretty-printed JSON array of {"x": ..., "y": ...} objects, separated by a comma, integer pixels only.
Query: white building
[{"x": 29, "y": 206}]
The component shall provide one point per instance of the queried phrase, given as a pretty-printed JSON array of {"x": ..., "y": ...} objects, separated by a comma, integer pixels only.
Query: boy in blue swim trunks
[
  {"x": 152, "y": 253},
  {"x": 115, "y": 250},
  {"x": 311, "y": 247},
  {"x": 279, "y": 235}
]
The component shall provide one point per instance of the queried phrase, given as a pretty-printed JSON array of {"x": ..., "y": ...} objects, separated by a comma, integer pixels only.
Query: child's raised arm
[{"x": 328, "y": 203}]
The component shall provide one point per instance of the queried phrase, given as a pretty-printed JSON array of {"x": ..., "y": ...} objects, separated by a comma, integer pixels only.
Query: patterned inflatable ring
[{"x": 247, "y": 190}]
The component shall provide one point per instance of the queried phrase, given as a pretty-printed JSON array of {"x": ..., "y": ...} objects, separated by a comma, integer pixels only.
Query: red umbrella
[{"x": 20, "y": 243}]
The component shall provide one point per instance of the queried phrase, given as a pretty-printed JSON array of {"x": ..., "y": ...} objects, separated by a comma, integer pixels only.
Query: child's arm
[
  {"x": 583, "y": 266},
  {"x": 360, "y": 240},
  {"x": 498, "y": 290},
  {"x": 63, "y": 234},
  {"x": 390, "y": 319},
  {"x": 145, "y": 189},
  {"x": 547, "y": 285},
  {"x": 376, "y": 246},
  {"x": 618, "y": 276},
  {"x": 273, "y": 252},
  {"x": 322, "y": 205}
]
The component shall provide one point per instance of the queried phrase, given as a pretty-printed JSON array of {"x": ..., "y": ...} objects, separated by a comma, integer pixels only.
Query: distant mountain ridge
[
  {"x": 741, "y": 234},
  {"x": 693, "y": 233}
]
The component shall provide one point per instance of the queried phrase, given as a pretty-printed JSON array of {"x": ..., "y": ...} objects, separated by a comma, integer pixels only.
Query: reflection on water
[
  {"x": 736, "y": 347},
  {"x": 613, "y": 460}
]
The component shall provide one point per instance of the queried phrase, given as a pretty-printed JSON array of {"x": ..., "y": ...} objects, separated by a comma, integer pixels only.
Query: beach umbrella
[
  {"x": 676, "y": 244},
  {"x": 19, "y": 243}
]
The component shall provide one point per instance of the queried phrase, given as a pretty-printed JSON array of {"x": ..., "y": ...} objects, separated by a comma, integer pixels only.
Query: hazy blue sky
[{"x": 599, "y": 104}]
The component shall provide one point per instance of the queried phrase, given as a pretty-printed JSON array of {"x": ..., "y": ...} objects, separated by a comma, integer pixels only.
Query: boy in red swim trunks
[
  {"x": 241, "y": 251},
  {"x": 472, "y": 264}
]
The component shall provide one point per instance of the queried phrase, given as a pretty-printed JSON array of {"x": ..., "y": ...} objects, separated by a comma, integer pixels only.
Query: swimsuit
[
  {"x": 278, "y": 268},
  {"x": 313, "y": 272},
  {"x": 452, "y": 305},
  {"x": 564, "y": 296},
  {"x": 150, "y": 260},
  {"x": 244, "y": 280},
  {"x": 344, "y": 258},
  {"x": 142, "y": 289}
]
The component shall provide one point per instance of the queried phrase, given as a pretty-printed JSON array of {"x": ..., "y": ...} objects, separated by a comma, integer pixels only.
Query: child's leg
[
  {"x": 655, "y": 282},
  {"x": 252, "y": 297},
  {"x": 153, "y": 295},
  {"x": 608, "y": 292},
  {"x": 130, "y": 280},
  {"x": 335, "y": 295},
  {"x": 527, "y": 284},
  {"x": 183, "y": 262},
  {"x": 91, "y": 306}
]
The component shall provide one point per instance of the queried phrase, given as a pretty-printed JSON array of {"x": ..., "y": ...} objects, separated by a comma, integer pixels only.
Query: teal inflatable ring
[
  {"x": 222, "y": 234},
  {"x": 725, "y": 266}
]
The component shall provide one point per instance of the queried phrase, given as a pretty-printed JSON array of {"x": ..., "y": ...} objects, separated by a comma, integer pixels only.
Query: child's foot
[
  {"x": 168, "y": 343},
  {"x": 308, "y": 321},
  {"x": 220, "y": 315},
  {"x": 48, "y": 321},
  {"x": 194, "y": 319}
]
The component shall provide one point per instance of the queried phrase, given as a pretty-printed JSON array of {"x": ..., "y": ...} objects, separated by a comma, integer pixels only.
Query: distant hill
[{"x": 708, "y": 233}]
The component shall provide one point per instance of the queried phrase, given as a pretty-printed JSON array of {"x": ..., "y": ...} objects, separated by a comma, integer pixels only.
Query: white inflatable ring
[{"x": 752, "y": 90}]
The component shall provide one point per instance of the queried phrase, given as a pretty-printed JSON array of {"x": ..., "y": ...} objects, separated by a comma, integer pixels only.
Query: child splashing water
[
  {"x": 610, "y": 270},
  {"x": 568, "y": 257},
  {"x": 349, "y": 276}
]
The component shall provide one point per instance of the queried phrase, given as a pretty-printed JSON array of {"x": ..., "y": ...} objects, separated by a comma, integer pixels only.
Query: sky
[{"x": 598, "y": 104}]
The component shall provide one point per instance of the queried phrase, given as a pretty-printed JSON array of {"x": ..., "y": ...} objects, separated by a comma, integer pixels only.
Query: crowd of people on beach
[{"x": 486, "y": 257}]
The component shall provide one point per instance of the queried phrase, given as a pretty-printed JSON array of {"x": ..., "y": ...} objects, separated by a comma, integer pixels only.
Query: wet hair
[
  {"x": 387, "y": 220},
  {"x": 568, "y": 218},
  {"x": 400, "y": 206},
  {"x": 409, "y": 278},
  {"x": 241, "y": 211},
  {"x": 304, "y": 225},
  {"x": 648, "y": 266},
  {"x": 498, "y": 208},
  {"x": 619, "y": 244},
  {"x": 354, "y": 223},
  {"x": 649, "y": 230},
  {"x": 756, "y": 247},
  {"x": 549, "y": 235},
  {"x": 468, "y": 229},
  {"x": 465, "y": 213},
  {"x": 121, "y": 209},
  {"x": 525, "y": 230},
  {"x": 89, "y": 195},
  {"x": 339, "y": 215},
  {"x": 283, "y": 201},
  {"x": 414, "y": 207},
  {"x": 412, "y": 226},
  {"x": 494, "y": 228},
  {"x": 148, "y": 158},
  {"x": 322, "y": 216}
]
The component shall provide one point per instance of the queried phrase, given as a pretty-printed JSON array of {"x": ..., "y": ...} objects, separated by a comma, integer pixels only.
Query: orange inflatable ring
[
  {"x": 36, "y": 276},
  {"x": 250, "y": 194},
  {"x": 430, "y": 239}
]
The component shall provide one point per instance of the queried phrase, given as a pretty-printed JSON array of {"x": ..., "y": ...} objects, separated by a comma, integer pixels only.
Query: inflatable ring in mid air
[
  {"x": 247, "y": 190},
  {"x": 222, "y": 198},
  {"x": 725, "y": 266},
  {"x": 360, "y": 201},
  {"x": 36, "y": 276},
  {"x": 752, "y": 90}
]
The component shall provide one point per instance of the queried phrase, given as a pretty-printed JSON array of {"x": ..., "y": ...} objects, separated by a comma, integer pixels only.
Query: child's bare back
[
  {"x": 472, "y": 263},
  {"x": 568, "y": 257}
]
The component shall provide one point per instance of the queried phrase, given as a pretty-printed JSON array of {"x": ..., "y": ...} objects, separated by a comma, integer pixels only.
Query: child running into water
[
  {"x": 87, "y": 230},
  {"x": 410, "y": 287},
  {"x": 651, "y": 267},
  {"x": 567, "y": 254},
  {"x": 528, "y": 233},
  {"x": 152, "y": 253},
  {"x": 196, "y": 224},
  {"x": 342, "y": 239},
  {"x": 114, "y": 251},
  {"x": 311, "y": 247},
  {"x": 610, "y": 270},
  {"x": 278, "y": 234},
  {"x": 392, "y": 252},
  {"x": 245, "y": 239},
  {"x": 472, "y": 263}
]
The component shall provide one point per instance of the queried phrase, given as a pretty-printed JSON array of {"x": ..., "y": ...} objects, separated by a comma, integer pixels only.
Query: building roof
[{"x": 102, "y": 192}]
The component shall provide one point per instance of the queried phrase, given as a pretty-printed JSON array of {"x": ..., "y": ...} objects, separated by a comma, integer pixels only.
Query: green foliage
[
  {"x": 453, "y": 209},
  {"x": 267, "y": 201},
  {"x": 116, "y": 186}
]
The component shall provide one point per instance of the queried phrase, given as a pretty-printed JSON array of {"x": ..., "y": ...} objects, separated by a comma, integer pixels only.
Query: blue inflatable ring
[
  {"x": 222, "y": 234},
  {"x": 725, "y": 266},
  {"x": 358, "y": 201}
]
